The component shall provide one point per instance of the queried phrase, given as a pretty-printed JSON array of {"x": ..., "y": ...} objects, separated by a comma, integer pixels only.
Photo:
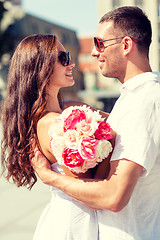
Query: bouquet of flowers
[{"x": 79, "y": 138}]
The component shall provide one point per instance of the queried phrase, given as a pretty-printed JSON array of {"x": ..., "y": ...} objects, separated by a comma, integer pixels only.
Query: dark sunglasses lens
[
  {"x": 96, "y": 44},
  {"x": 64, "y": 58},
  {"x": 99, "y": 45}
]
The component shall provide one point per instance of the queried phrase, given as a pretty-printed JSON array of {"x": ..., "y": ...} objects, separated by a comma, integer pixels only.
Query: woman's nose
[{"x": 71, "y": 63}]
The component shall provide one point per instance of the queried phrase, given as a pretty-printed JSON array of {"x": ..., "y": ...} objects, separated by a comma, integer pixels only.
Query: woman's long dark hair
[{"x": 30, "y": 70}]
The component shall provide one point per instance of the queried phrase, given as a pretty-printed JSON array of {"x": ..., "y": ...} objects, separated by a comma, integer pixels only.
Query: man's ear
[{"x": 127, "y": 45}]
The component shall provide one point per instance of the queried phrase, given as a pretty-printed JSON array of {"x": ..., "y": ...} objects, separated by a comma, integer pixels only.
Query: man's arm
[{"x": 112, "y": 193}]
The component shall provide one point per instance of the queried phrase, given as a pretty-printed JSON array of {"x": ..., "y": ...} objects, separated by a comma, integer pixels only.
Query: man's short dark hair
[{"x": 133, "y": 22}]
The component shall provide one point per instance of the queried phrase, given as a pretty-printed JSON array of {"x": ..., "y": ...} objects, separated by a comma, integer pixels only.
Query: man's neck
[{"x": 133, "y": 70}]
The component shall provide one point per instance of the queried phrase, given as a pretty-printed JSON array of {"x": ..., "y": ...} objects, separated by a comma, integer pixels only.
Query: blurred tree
[
  {"x": 8, "y": 17},
  {"x": 3, "y": 39},
  {"x": 2, "y": 10},
  {"x": 2, "y": 48}
]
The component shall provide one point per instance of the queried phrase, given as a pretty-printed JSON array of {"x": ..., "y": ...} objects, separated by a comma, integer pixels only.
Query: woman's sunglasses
[
  {"x": 64, "y": 58},
  {"x": 99, "y": 44}
]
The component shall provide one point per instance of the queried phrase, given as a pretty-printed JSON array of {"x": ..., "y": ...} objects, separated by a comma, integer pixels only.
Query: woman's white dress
[{"x": 66, "y": 219}]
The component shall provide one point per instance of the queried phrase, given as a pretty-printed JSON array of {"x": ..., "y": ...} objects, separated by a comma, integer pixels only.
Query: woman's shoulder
[
  {"x": 48, "y": 117},
  {"x": 45, "y": 122}
]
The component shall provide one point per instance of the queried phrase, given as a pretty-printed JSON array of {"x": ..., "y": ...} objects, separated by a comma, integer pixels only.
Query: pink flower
[
  {"x": 84, "y": 127},
  {"x": 103, "y": 131},
  {"x": 87, "y": 147},
  {"x": 90, "y": 163},
  {"x": 77, "y": 115},
  {"x": 72, "y": 158},
  {"x": 71, "y": 138}
]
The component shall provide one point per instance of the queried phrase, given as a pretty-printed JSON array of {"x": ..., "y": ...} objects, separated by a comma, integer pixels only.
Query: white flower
[
  {"x": 56, "y": 128},
  {"x": 96, "y": 116},
  {"x": 104, "y": 147},
  {"x": 66, "y": 112},
  {"x": 57, "y": 145}
]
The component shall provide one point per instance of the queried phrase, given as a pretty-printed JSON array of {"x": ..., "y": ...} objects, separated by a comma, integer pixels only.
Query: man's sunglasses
[
  {"x": 99, "y": 44},
  {"x": 64, "y": 58}
]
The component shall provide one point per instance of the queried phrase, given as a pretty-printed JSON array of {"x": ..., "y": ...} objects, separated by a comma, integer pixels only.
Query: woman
[{"x": 39, "y": 68}]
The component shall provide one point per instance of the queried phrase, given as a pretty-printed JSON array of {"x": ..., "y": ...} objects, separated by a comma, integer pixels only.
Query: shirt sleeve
[{"x": 138, "y": 135}]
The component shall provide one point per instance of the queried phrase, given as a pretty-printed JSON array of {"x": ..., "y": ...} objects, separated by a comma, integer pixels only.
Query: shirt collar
[{"x": 140, "y": 79}]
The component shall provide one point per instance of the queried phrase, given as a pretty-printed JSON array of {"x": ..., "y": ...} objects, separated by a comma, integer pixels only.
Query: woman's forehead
[{"x": 61, "y": 47}]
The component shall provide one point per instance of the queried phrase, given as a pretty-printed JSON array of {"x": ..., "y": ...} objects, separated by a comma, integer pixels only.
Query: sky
[{"x": 78, "y": 15}]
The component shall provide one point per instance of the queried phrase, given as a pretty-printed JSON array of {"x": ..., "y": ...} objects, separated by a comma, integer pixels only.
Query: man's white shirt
[{"x": 136, "y": 119}]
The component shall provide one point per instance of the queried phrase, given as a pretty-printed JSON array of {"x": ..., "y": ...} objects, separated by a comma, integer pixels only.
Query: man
[{"x": 129, "y": 199}]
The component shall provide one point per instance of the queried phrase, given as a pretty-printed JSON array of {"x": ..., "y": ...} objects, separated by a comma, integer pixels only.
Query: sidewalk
[{"x": 20, "y": 209}]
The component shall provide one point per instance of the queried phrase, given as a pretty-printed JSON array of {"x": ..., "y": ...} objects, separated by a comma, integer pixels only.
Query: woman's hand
[{"x": 40, "y": 164}]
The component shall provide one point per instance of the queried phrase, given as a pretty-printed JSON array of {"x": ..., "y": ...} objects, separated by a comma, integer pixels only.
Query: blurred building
[{"x": 87, "y": 64}]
